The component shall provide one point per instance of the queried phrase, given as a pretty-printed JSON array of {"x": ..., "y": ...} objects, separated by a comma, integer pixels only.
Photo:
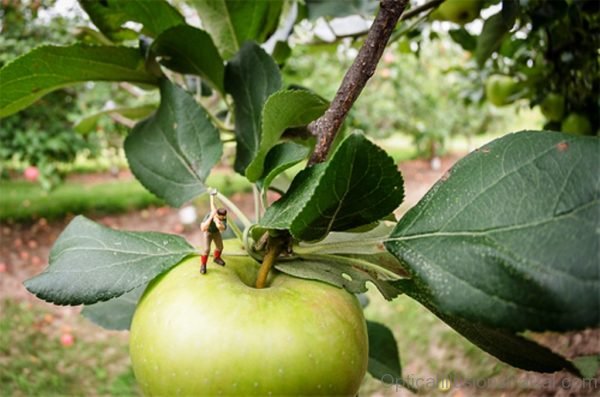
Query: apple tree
[
  {"x": 544, "y": 53},
  {"x": 506, "y": 242}
]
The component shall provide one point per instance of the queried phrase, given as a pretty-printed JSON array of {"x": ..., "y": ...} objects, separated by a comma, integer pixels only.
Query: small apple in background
[
  {"x": 31, "y": 173},
  {"x": 499, "y": 88},
  {"x": 553, "y": 107},
  {"x": 576, "y": 123},
  {"x": 214, "y": 334},
  {"x": 457, "y": 11},
  {"x": 67, "y": 339}
]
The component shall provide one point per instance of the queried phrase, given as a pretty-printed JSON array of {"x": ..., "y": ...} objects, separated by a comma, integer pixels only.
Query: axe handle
[{"x": 212, "y": 202}]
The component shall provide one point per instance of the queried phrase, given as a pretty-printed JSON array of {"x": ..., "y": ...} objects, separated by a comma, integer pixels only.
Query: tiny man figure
[{"x": 212, "y": 226}]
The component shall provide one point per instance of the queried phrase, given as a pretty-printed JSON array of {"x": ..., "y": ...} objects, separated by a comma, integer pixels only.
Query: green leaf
[
  {"x": 49, "y": 68},
  {"x": 110, "y": 15},
  {"x": 250, "y": 77},
  {"x": 87, "y": 124},
  {"x": 281, "y": 52},
  {"x": 232, "y": 22},
  {"x": 172, "y": 152},
  {"x": 282, "y": 110},
  {"x": 384, "y": 359},
  {"x": 358, "y": 185},
  {"x": 90, "y": 263},
  {"x": 494, "y": 30},
  {"x": 510, "y": 11},
  {"x": 188, "y": 50},
  {"x": 116, "y": 313},
  {"x": 342, "y": 272},
  {"x": 509, "y": 237},
  {"x": 281, "y": 157},
  {"x": 588, "y": 366},
  {"x": 465, "y": 39}
]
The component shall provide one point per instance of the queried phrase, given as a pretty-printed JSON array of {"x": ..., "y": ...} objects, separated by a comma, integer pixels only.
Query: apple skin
[
  {"x": 499, "y": 88},
  {"x": 213, "y": 334},
  {"x": 576, "y": 123},
  {"x": 553, "y": 107},
  {"x": 458, "y": 11}
]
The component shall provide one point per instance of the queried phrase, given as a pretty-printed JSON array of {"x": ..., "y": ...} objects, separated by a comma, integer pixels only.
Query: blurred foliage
[
  {"x": 42, "y": 135},
  {"x": 549, "y": 48},
  {"x": 413, "y": 93}
]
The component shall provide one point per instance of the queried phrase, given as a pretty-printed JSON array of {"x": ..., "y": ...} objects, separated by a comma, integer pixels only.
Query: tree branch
[
  {"x": 413, "y": 12},
  {"x": 363, "y": 67}
]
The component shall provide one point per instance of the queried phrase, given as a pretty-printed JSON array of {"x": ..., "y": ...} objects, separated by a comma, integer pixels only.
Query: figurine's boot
[
  {"x": 204, "y": 259},
  {"x": 217, "y": 258}
]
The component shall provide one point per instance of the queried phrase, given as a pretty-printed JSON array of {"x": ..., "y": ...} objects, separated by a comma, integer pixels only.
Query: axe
[{"x": 213, "y": 193}]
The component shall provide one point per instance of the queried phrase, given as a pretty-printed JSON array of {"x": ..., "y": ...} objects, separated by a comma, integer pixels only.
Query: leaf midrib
[{"x": 499, "y": 229}]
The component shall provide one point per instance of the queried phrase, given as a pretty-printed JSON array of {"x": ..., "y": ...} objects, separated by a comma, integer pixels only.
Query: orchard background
[{"x": 450, "y": 80}]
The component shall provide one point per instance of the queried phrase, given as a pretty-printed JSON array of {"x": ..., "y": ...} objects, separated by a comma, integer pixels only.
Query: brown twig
[
  {"x": 413, "y": 12},
  {"x": 363, "y": 67}
]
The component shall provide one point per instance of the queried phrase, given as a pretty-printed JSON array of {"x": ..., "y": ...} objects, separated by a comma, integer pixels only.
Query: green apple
[
  {"x": 499, "y": 88},
  {"x": 553, "y": 107},
  {"x": 576, "y": 123},
  {"x": 215, "y": 334},
  {"x": 458, "y": 11}
]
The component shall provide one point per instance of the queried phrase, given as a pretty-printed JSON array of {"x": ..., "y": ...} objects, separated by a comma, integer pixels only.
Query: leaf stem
[
  {"x": 257, "y": 203},
  {"x": 360, "y": 263},
  {"x": 363, "y": 67},
  {"x": 240, "y": 215},
  {"x": 220, "y": 125}
]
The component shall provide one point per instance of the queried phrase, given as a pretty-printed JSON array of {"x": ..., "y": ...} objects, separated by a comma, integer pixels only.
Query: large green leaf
[
  {"x": 250, "y": 77},
  {"x": 232, "y": 22},
  {"x": 110, "y": 16},
  {"x": 172, "y": 152},
  {"x": 116, "y": 313},
  {"x": 358, "y": 185},
  {"x": 509, "y": 239},
  {"x": 90, "y": 263},
  {"x": 282, "y": 110},
  {"x": 48, "y": 68},
  {"x": 188, "y": 50},
  {"x": 281, "y": 157}
]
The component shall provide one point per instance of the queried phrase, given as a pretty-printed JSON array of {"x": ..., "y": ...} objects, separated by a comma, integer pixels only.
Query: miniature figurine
[{"x": 213, "y": 224}]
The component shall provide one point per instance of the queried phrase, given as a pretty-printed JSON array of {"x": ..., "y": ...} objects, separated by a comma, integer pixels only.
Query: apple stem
[{"x": 274, "y": 248}]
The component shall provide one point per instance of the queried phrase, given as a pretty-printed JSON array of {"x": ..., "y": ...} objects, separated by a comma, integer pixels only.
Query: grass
[
  {"x": 22, "y": 201},
  {"x": 33, "y": 362}
]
